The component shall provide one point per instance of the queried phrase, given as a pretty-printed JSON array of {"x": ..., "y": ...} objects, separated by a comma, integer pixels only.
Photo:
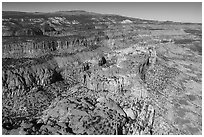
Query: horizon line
[{"x": 101, "y": 14}]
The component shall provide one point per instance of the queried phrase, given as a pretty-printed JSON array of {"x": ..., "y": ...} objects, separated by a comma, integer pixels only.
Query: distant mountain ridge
[
  {"x": 17, "y": 23},
  {"x": 7, "y": 14}
]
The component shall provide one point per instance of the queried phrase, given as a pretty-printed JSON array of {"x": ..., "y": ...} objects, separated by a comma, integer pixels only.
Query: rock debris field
[{"x": 79, "y": 73}]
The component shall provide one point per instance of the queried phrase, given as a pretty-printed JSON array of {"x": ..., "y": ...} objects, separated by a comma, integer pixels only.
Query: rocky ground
[{"x": 121, "y": 77}]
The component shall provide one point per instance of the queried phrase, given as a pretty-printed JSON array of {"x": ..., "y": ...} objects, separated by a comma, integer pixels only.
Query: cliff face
[{"x": 35, "y": 48}]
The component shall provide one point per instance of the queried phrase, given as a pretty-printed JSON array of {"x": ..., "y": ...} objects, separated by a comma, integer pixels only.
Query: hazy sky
[{"x": 183, "y": 12}]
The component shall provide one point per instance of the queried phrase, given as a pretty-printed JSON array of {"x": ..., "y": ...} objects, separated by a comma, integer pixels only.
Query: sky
[{"x": 162, "y": 11}]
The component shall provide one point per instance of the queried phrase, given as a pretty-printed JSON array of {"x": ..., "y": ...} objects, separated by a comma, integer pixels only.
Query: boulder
[{"x": 130, "y": 113}]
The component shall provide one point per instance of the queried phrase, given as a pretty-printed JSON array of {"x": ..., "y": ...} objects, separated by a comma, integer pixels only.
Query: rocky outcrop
[
  {"x": 145, "y": 116},
  {"x": 148, "y": 63},
  {"x": 17, "y": 81}
]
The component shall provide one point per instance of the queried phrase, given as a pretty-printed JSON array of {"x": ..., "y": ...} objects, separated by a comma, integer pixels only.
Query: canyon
[{"x": 83, "y": 73}]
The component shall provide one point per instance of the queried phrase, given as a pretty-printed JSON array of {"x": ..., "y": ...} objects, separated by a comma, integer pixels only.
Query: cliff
[{"x": 38, "y": 47}]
